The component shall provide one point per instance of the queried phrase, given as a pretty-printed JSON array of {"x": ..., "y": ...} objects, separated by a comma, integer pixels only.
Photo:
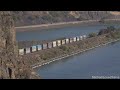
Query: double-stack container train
[{"x": 51, "y": 44}]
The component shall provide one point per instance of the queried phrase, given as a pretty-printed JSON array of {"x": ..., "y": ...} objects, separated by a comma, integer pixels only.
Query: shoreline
[
  {"x": 71, "y": 54},
  {"x": 55, "y": 25},
  {"x": 60, "y": 25}
]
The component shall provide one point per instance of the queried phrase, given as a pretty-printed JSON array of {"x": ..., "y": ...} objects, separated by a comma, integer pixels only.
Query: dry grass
[{"x": 115, "y": 13}]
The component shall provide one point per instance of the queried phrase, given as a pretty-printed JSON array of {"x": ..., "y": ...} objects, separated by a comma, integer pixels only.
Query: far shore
[
  {"x": 54, "y": 25},
  {"x": 59, "y": 25}
]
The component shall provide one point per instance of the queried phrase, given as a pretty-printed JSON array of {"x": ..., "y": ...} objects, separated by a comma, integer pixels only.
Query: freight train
[{"x": 51, "y": 44}]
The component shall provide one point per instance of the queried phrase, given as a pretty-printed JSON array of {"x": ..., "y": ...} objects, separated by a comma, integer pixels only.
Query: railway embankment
[{"x": 47, "y": 56}]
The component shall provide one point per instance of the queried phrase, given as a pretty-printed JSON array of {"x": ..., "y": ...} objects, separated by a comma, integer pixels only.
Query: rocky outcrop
[{"x": 11, "y": 66}]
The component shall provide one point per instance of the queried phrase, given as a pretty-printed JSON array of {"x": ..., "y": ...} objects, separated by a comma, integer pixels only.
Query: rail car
[
  {"x": 59, "y": 43},
  {"x": 34, "y": 48},
  {"x": 21, "y": 51},
  {"x": 71, "y": 40},
  {"x": 84, "y": 36},
  {"x": 27, "y": 50},
  {"x": 63, "y": 42},
  {"x": 39, "y": 47},
  {"x": 44, "y": 46},
  {"x": 54, "y": 43},
  {"x": 81, "y": 37},
  {"x": 78, "y": 38},
  {"x": 74, "y": 39},
  {"x": 50, "y": 44},
  {"x": 67, "y": 41}
]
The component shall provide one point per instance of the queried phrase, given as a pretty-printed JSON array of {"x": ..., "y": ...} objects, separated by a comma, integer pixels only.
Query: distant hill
[{"x": 23, "y": 18}]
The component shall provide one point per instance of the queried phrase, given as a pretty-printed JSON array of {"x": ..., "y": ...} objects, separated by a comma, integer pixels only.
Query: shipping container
[
  {"x": 74, "y": 39},
  {"x": 34, "y": 48},
  {"x": 58, "y": 42},
  {"x": 50, "y": 45},
  {"x": 71, "y": 40},
  {"x": 27, "y": 50},
  {"x": 67, "y": 41},
  {"x": 39, "y": 47},
  {"x": 21, "y": 51},
  {"x": 78, "y": 38},
  {"x": 81, "y": 37},
  {"x": 54, "y": 44},
  {"x": 63, "y": 41},
  {"x": 45, "y": 46},
  {"x": 84, "y": 36}
]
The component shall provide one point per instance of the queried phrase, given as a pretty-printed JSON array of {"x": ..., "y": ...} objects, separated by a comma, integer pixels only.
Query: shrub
[
  {"x": 92, "y": 34},
  {"x": 111, "y": 28},
  {"x": 64, "y": 48},
  {"x": 108, "y": 30}
]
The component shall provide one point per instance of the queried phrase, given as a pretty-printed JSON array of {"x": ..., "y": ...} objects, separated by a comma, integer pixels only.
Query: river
[
  {"x": 102, "y": 61},
  {"x": 51, "y": 34}
]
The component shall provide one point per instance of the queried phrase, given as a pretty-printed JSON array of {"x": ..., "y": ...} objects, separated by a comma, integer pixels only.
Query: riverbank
[
  {"x": 55, "y": 25},
  {"x": 63, "y": 24},
  {"x": 68, "y": 55},
  {"x": 47, "y": 56}
]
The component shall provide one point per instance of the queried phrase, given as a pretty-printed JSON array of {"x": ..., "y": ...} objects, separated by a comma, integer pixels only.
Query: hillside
[{"x": 23, "y": 18}]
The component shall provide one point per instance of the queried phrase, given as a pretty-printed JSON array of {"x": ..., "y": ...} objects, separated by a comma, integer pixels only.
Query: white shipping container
[
  {"x": 34, "y": 48},
  {"x": 21, "y": 51},
  {"x": 81, "y": 37},
  {"x": 39, "y": 47},
  {"x": 45, "y": 46},
  {"x": 54, "y": 44},
  {"x": 74, "y": 39},
  {"x": 27, "y": 50},
  {"x": 84, "y": 36},
  {"x": 59, "y": 42},
  {"x": 71, "y": 40},
  {"x": 78, "y": 38},
  {"x": 67, "y": 40},
  {"x": 63, "y": 42},
  {"x": 50, "y": 45}
]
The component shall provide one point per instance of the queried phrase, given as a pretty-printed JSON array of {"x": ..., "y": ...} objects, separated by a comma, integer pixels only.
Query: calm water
[
  {"x": 103, "y": 61},
  {"x": 52, "y": 34}
]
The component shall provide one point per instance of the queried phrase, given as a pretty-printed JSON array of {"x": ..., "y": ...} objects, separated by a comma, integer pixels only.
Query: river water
[
  {"x": 102, "y": 61},
  {"x": 52, "y": 34}
]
